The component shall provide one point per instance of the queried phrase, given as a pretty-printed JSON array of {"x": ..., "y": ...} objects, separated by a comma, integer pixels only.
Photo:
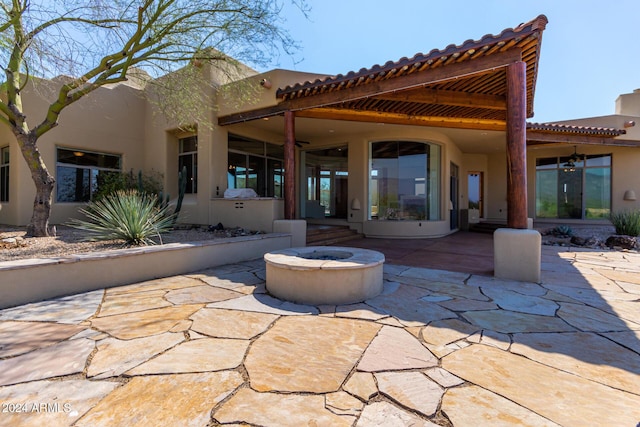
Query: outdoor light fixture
[
  {"x": 629, "y": 195},
  {"x": 265, "y": 83},
  {"x": 570, "y": 166},
  {"x": 355, "y": 204}
]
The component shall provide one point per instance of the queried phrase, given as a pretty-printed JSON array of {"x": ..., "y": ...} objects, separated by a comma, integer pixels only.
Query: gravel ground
[{"x": 69, "y": 241}]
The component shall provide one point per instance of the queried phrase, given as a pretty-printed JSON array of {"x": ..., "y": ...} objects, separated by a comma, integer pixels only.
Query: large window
[
  {"x": 80, "y": 173},
  {"x": 404, "y": 181},
  {"x": 575, "y": 187},
  {"x": 257, "y": 165},
  {"x": 188, "y": 157},
  {"x": 4, "y": 174}
]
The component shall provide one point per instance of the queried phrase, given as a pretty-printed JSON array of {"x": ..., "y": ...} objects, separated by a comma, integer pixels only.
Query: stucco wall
[
  {"x": 624, "y": 171},
  {"x": 108, "y": 120}
]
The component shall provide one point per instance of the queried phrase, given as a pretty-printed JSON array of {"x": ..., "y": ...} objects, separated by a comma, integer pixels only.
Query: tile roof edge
[{"x": 535, "y": 25}]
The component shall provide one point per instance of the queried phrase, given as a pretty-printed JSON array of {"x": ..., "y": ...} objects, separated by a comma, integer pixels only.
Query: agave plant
[{"x": 125, "y": 215}]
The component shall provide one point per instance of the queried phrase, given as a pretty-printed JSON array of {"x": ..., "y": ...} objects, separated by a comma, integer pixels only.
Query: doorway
[
  {"x": 326, "y": 183},
  {"x": 476, "y": 194},
  {"x": 453, "y": 199}
]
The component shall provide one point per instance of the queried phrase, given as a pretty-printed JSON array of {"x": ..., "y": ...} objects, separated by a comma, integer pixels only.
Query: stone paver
[
  {"x": 412, "y": 390},
  {"x": 585, "y": 354},
  {"x": 164, "y": 400},
  {"x": 200, "y": 294},
  {"x": 114, "y": 357},
  {"x": 434, "y": 348},
  {"x": 70, "y": 309},
  {"x": 51, "y": 403},
  {"x": 513, "y": 322},
  {"x": 272, "y": 409},
  {"x": 396, "y": 349},
  {"x": 468, "y": 406},
  {"x": 307, "y": 354},
  {"x": 21, "y": 337},
  {"x": 64, "y": 358},
  {"x": 222, "y": 323},
  {"x": 140, "y": 324},
  {"x": 361, "y": 384},
  {"x": 260, "y": 303},
  {"x": 544, "y": 390},
  {"x": 203, "y": 355},
  {"x": 342, "y": 403},
  {"x": 385, "y": 414}
]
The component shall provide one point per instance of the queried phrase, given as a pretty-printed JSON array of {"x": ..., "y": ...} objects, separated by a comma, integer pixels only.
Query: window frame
[
  {"x": 4, "y": 173},
  {"x": 90, "y": 168},
  {"x": 192, "y": 156},
  {"x": 584, "y": 163},
  {"x": 270, "y": 184},
  {"x": 407, "y": 207}
]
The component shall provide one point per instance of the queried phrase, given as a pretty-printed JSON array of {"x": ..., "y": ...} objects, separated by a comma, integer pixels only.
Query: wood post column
[
  {"x": 289, "y": 165},
  {"x": 517, "y": 145}
]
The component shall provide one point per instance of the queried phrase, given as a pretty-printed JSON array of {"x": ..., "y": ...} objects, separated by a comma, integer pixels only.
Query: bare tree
[{"x": 97, "y": 42}]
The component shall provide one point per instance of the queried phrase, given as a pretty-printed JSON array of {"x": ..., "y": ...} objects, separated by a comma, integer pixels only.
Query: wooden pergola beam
[
  {"x": 401, "y": 119},
  {"x": 517, "y": 146},
  {"x": 289, "y": 165},
  {"x": 447, "y": 97},
  {"x": 415, "y": 80}
]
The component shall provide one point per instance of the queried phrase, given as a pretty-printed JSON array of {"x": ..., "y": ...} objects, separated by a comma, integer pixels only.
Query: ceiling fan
[
  {"x": 299, "y": 143},
  {"x": 570, "y": 165}
]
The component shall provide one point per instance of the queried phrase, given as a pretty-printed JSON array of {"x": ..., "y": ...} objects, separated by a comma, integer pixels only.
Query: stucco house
[{"x": 413, "y": 148}]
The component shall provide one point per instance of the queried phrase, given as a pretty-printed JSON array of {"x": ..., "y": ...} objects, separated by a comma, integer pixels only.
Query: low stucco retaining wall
[{"x": 32, "y": 280}]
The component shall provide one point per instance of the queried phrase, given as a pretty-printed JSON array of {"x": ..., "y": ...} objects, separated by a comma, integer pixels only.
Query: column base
[{"x": 517, "y": 254}]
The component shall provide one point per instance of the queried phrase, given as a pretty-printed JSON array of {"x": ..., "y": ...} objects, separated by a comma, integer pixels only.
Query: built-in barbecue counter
[{"x": 252, "y": 213}]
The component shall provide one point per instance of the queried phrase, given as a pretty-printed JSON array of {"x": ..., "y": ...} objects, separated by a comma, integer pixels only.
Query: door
[
  {"x": 326, "y": 183},
  {"x": 570, "y": 193},
  {"x": 453, "y": 190},
  {"x": 475, "y": 185}
]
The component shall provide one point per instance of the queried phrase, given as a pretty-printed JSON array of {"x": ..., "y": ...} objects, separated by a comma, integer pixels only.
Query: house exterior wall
[
  {"x": 108, "y": 120},
  {"x": 125, "y": 120},
  {"x": 624, "y": 175}
]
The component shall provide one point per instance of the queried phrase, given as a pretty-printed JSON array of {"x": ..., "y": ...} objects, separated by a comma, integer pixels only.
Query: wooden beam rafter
[
  {"x": 401, "y": 119},
  {"x": 447, "y": 97},
  {"x": 356, "y": 92}
]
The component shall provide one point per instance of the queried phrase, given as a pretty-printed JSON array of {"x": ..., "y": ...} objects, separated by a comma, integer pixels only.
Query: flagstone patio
[{"x": 435, "y": 348}]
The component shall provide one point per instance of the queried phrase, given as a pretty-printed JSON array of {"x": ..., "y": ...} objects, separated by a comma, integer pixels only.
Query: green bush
[
  {"x": 110, "y": 182},
  {"x": 125, "y": 215},
  {"x": 627, "y": 222}
]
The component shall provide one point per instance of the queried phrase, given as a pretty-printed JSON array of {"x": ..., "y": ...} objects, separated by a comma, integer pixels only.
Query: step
[
  {"x": 485, "y": 227},
  {"x": 328, "y": 235}
]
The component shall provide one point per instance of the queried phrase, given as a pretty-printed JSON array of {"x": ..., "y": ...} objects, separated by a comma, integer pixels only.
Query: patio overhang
[
  {"x": 461, "y": 86},
  {"x": 485, "y": 85},
  {"x": 550, "y": 134}
]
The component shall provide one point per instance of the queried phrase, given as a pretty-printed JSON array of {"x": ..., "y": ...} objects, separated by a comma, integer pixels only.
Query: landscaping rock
[{"x": 624, "y": 242}]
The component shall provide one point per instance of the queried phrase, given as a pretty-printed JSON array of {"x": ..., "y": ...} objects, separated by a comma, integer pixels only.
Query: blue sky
[{"x": 590, "y": 49}]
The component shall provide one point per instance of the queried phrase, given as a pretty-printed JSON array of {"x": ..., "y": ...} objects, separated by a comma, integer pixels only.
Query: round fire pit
[{"x": 319, "y": 275}]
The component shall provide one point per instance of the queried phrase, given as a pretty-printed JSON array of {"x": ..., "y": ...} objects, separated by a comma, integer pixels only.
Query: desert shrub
[
  {"x": 626, "y": 222},
  {"x": 125, "y": 215},
  {"x": 146, "y": 182}
]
